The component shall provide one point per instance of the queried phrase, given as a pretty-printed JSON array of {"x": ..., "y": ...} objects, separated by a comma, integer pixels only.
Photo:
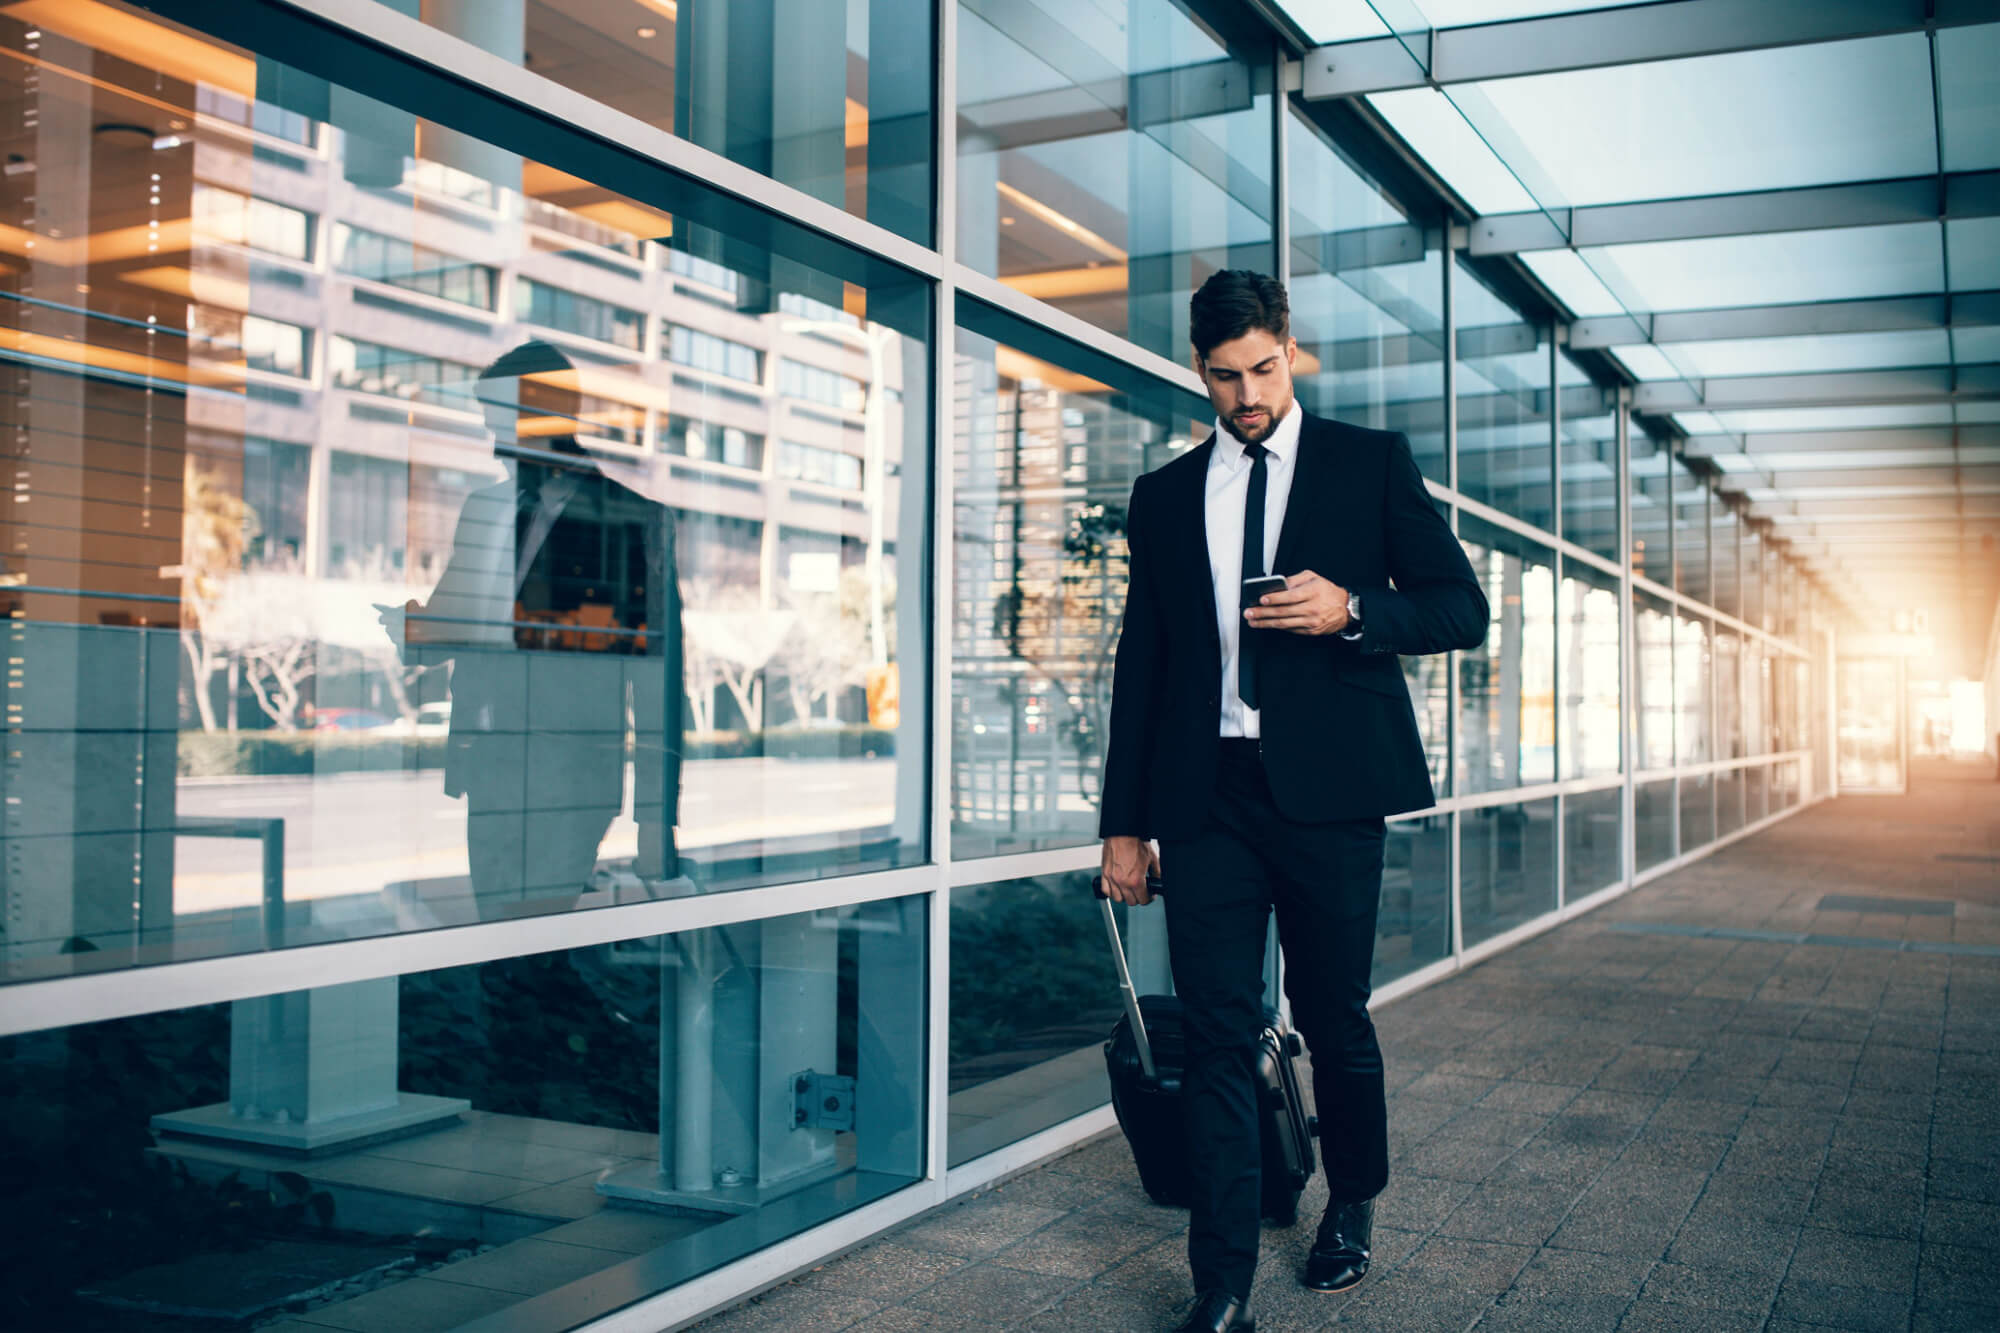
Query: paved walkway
[{"x": 1743, "y": 1097}]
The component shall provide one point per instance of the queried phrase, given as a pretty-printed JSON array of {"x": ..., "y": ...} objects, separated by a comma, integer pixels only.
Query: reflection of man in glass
[{"x": 559, "y": 610}]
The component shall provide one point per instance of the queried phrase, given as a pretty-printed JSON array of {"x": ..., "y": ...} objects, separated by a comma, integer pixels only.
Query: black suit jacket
[{"x": 1340, "y": 737}]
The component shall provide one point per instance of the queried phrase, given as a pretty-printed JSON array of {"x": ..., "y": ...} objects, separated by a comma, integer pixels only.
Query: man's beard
[{"x": 1271, "y": 419}]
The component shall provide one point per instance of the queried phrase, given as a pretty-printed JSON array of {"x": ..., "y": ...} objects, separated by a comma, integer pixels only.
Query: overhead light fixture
[{"x": 649, "y": 33}]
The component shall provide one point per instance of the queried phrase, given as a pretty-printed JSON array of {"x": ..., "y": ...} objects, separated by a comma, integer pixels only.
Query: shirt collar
[{"x": 1282, "y": 442}]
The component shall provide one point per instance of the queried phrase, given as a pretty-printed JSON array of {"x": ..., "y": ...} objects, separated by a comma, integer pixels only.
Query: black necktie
[{"x": 1253, "y": 567}]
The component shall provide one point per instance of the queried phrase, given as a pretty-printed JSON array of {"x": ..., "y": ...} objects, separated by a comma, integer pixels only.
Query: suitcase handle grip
[
  {"x": 1154, "y": 885},
  {"x": 1126, "y": 993}
]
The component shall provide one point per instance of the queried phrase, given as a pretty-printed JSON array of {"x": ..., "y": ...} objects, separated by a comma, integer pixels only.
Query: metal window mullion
[
  {"x": 1628, "y": 675},
  {"x": 944, "y": 399},
  {"x": 1454, "y": 857},
  {"x": 1559, "y": 703}
]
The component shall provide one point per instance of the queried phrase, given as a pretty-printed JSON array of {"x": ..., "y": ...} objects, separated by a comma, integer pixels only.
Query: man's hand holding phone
[{"x": 1304, "y": 603}]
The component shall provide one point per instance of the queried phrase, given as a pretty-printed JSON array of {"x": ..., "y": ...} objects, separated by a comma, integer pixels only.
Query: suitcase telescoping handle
[{"x": 1125, "y": 990}]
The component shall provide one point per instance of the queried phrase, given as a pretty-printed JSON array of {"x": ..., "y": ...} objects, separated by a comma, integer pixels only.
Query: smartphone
[{"x": 1257, "y": 587}]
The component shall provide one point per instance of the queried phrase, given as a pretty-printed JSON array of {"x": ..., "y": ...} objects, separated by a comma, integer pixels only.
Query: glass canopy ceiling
[{"x": 1781, "y": 218}]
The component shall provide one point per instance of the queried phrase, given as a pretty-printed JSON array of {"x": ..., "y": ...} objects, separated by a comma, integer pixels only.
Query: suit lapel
[
  {"x": 1193, "y": 517},
  {"x": 1300, "y": 502}
]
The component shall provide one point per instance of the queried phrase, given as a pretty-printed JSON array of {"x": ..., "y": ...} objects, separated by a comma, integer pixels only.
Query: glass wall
[
  {"x": 1589, "y": 462},
  {"x": 440, "y": 572},
  {"x": 831, "y": 98},
  {"x": 1726, "y": 570},
  {"x": 1691, "y": 532},
  {"x": 1506, "y": 686},
  {"x": 1505, "y": 456},
  {"x": 1653, "y": 823},
  {"x": 1592, "y": 857},
  {"x": 1508, "y": 872},
  {"x": 1108, "y": 166},
  {"x": 1590, "y": 670},
  {"x": 1033, "y": 993},
  {"x": 1367, "y": 301},
  {"x": 1653, "y": 702},
  {"x": 577, "y": 1129},
  {"x": 1652, "y": 509},
  {"x": 1043, "y": 461}
]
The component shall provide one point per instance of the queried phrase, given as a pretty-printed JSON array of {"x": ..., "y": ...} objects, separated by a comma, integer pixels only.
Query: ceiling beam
[
  {"x": 1911, "y": 384},
  {"x": 1885, "y": 314},
  {"x": 1974, "y": 194},
  {"x": 1629, "y": 34},
  {"x": 1834, "y": 441}
]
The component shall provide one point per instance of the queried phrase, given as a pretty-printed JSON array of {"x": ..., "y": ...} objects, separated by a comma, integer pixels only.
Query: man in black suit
[{"x": 1262, "y": 747}]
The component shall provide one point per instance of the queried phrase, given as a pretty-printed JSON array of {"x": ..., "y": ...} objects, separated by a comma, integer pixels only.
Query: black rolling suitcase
[{"x": 1144, "y": 1057}]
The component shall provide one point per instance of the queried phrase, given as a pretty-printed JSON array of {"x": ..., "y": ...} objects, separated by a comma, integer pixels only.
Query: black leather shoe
[
  {"x": 1339, "y": 1258},
  {"x": 1219, "y": 1312}
]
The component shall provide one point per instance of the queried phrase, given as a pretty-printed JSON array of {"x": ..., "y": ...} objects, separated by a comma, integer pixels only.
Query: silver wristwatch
[{"x": 1353, "y": 612}]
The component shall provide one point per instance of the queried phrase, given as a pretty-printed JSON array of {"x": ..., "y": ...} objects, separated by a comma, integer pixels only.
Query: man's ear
[
  {"x": 1200, "y": 364},
  {"x": 1291, "y": 352}
]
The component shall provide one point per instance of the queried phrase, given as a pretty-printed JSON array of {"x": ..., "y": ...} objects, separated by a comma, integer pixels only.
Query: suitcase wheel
[
  {"x": 1293, "y": 1045},
  {"x": 1312, "y": 1126}
]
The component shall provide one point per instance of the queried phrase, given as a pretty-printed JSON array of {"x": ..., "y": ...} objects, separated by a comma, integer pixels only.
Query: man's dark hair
[{"x": 1233, "y": 302}]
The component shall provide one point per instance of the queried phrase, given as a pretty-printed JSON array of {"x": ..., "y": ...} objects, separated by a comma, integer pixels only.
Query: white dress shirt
[{"x": 1228, "y": 487}]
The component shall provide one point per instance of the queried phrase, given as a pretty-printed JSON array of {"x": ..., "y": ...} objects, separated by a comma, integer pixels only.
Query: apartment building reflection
[{"x": 243, "y": 368}]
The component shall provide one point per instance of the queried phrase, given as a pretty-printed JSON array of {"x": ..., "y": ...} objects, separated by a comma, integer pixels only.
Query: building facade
[{"x": 573, "y": 852}]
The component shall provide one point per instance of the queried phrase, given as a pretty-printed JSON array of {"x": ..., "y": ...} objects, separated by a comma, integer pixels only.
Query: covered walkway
[{"x": 1762, "y": 1092}]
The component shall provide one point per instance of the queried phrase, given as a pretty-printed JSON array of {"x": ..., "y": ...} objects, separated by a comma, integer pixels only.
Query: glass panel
[
  {"x": 1367, "y": 302},
  {"x": 1650, "y": 500},
  {"x": 1975, "y": 253},
  {"x": 591, "y": 1126},
  {"x": 1785, "y": 791},
  {"x": 1968, "y": 105},
  {"x": 1506, "y": 686},
  {"x": 1454, "y": 13},
  {"x": 1755, "y": 783},
  {"x": 1590, "y": 671},
  {"x": 1691, "y": 533},
  {"x": 1821, "y": 352},
  {"x": 1507, "y": 873},
  {"x": 1504, "y": 448},
  {"x": 1776, "y": 267},
  {"x": 1430, "y": 124},
  {"x": 1110, "y": 160},
  {"x": 1591, "y": 843},
  {"x": 1753, "y": 577},
  {"x": 1025, "y": 1056},
  {"x": 1653, "y": 822},
  {"x": 1589, "y": 470},
  {"x": 1756, "y": 698},
  {"x": 1697, "y": 810},
  {"x": 410, "y": 642},
  {"x": 1729, "y": 738},
  {"x": 1729, "y": 802},
  {"x": 1336, "y": 20},
  {"x": 832, "y": 98},
  {"x": 1565, "y": 274},
  {"x": 1693, "y": 691},
  {"x": 1869, "y": 715},
  {"x": 1781, "y": 420},
  {"x": 1725, "y": 530},
  {"x": 1413, "y": 928},
  {"x": 1428, "y": 679},
  {"x": 1044, "y": 456},
  {"x": 1670, "y": 129},
  {"x": 1653, "y": 681}
]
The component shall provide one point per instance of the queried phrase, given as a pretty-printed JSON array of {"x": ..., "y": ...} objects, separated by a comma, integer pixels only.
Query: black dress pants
[{"x": 1222, "y": 882}]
